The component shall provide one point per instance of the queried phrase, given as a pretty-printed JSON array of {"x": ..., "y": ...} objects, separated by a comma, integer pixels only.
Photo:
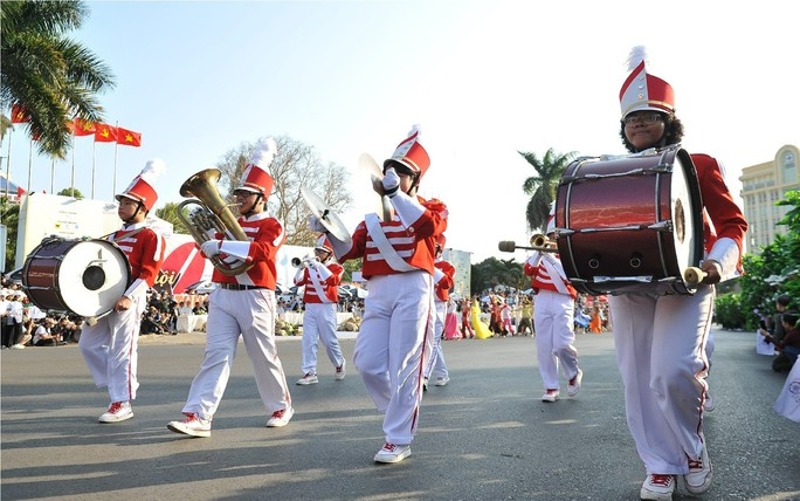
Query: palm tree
[
  {"x": 52, "y": 77},
  {"x": 542, "y": 187}
]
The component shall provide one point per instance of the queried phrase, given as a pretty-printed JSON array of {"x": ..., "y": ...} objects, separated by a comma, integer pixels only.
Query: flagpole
[
  {"x": 52, "y": 175},
  {"x": 72, "y": 177},
  {"x": 8, "y": 163},
  {"x": 116, "y": 147},
  {"x": 94, "y": 161},
  {"x": 30, "y": 165}
]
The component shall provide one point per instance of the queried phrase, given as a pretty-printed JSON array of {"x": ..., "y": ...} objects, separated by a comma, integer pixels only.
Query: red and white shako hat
[
  {"x": 411, "y": 154},
  {"x": 323, "y": 244},
  {"x": 256, "y": 176},
  {"x": 551, "y": 220},
  {"x": 642, "y": 91},
  {"x": 440, "y": 241},
  {"x": 142, "y": 188}
]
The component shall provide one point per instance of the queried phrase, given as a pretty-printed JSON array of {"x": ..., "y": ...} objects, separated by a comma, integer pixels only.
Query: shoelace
[
  {"x": 278, "y": 414},
  {"x": 661, "y": 480},
  {"x": 389, "y": 447},
  {"x": 115, "y": 407},
  {"x": 695, "y": 464}
]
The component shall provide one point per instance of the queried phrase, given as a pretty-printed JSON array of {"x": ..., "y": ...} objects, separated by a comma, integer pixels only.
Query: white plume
[
  {"x": 414, "y": 129},
  {"x": 637, "y": 55},
  {"x": 264, "y": 153},
  {"x": 152, "y": 169}
]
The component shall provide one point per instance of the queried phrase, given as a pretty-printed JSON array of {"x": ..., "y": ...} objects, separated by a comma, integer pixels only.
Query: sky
[{"x": 484, "y": 79}]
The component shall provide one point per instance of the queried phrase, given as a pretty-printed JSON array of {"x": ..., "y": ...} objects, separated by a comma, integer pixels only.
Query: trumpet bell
[{"x": 326, "y": 216}]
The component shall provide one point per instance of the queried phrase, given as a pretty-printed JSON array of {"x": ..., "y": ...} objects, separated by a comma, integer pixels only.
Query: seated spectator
[
  {"x": 184, "y": 309},
  {"x": 45, "y": 335},
  {"x": 199, "y": 310},
  {"x": 789, "y": 346},
  {"x": 152, "y": 321}
]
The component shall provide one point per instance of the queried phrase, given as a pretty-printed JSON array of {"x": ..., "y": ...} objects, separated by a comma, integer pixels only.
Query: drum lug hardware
[
  {"x": 635, "y": 260},
  {"x": 594, "y": 262},
  {"x": 665, "y": 226}
]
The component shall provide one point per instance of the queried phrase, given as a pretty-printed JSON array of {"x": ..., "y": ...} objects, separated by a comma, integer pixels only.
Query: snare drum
[
  {"x": 630, "y": 224},
  {"x": 84, "y": 277}
]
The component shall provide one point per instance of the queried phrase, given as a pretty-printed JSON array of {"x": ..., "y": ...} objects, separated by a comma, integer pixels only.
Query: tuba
[{"x": 211, "y": 216}]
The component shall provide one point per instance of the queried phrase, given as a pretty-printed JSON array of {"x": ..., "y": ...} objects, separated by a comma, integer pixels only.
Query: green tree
[
  {"x": 54, "y": 78},
  {"x": 492, "y": 272},
  {"x": 295, "y": 165},
  {"x": 542, "y": 187},
  {"x": 10, "y": 218},
  {"x": 169, "y": 213},
  {"x": 71, "y": 192}
]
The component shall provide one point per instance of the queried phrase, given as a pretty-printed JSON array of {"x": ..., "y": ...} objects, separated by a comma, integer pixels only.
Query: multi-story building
[
  {"x": 762, "y": 186},
  {"x": 461, "y": 261}
]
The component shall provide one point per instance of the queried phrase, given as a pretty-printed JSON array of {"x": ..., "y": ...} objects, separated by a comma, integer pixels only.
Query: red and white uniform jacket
[
  {"x": 724, "y": 225},
  {"x": 321, "y": 282},
  {"x": 548, "y": 274},
  {"x": 406, "y": 243},
  {"x": 443, "y": 279},
  {"x": 266, "y": 235},
  {"x": 144, "y": 249}
]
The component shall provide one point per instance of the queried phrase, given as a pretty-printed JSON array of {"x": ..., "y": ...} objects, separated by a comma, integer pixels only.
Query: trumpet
[
  {"x": 212, "y": 215},
  {"x": 538, "y": 242},
  {"x": 302, "y": 263}
]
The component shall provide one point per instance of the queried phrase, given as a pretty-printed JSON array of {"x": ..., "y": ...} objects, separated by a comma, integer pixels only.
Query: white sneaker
[
  {"x": 340, "y": 372},
  {"x": 391, "y": 453},
  {"x": 308, "y": 379},
  {"x": 442, "y": 381},
  {"x": 280, "y": 418},
  {"x": 17, "y": 347},
  {"x": 424, "y": 384},
  {"x": 575, "y": 384},
  {"x": 193, "y": 426},
  {"x": 657, "y": 487},
  {"x": 698, "y": 480},
  {"x": 117, "y": 411},
  {"x": 550, "y": 396}
]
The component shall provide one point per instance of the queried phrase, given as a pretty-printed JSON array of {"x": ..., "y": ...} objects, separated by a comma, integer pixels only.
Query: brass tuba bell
[{"x": 212, "y": 216}]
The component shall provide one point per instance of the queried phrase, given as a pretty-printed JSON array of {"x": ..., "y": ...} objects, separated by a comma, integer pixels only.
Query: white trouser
[
  {"x": 552, "y": 320},
  {"x": 250, "y": 314},
  {"x": 436, "y": 360},
  {"x": 390, "y": 348},
  {"x": 661, "y": 352},
  {"x": 111, "y": 350},
  {"x": 319, "y": 324}
]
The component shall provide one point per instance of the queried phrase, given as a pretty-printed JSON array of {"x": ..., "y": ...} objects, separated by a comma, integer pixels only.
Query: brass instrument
[
  {"x": 302, "y": 263},
  {"x": 539, "y": 243},
  {"x": 211, "y": 216}
]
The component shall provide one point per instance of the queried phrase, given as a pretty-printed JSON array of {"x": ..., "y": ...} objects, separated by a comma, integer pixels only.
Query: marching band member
[
  {"x": 321, "y": 296},
  {"x": 443, "y": 282},
  {"x": 110, "y": 346},
  {"x": 243, "y": 305},
  {"x": 552, "y": 320},
  {"x": 660, "y": 340},
  {"x": 399, "y": 311},
  {"x": 466, "y": 324}
]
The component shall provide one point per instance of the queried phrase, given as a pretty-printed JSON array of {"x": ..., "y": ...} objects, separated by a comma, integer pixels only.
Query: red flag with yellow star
[
  {"x": 127, "y": 137},
  {"x": 18, "y": 114},
  {"x": 105, "y": 134},
  {"x": 81, "y": 127}
]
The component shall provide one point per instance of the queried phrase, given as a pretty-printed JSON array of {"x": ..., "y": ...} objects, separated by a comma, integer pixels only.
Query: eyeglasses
[
  {"x": 242, "y": 193},
  {"x": 643, "y": 118}
]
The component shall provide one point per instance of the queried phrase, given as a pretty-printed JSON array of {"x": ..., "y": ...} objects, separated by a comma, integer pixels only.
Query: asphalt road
[{"x": 485, "y": 436}]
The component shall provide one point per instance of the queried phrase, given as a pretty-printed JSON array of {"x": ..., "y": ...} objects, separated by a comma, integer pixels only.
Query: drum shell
[
  {"x": 48, "y": 288},
  {"x": 615, "y": 199}
]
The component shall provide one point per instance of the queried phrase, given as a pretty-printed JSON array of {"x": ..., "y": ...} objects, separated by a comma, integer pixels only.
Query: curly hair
[{"x": 673, "y": 132}]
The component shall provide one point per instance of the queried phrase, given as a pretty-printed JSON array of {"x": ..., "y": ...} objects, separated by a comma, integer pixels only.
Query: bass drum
[
  {"x": 84, "y": 277},
  {"x": 630, "y": 224}
]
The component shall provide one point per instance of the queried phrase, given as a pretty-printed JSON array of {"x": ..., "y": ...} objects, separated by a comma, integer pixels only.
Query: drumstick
[{"x": 693, "y": 276}]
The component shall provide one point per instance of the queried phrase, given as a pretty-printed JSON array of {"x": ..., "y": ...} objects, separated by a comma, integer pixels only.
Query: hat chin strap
[
  {"x": 259, "y": 197},
  {"x": 138, "y": 208}
]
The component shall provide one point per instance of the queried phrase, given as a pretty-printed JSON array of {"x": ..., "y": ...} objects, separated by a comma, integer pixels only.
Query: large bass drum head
[
  {"x": 93, "y": 275},
  {"x": 686, "y": 212}
]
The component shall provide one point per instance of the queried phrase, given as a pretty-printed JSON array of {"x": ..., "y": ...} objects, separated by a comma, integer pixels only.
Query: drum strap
[{"x": 111, "y": 236}]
